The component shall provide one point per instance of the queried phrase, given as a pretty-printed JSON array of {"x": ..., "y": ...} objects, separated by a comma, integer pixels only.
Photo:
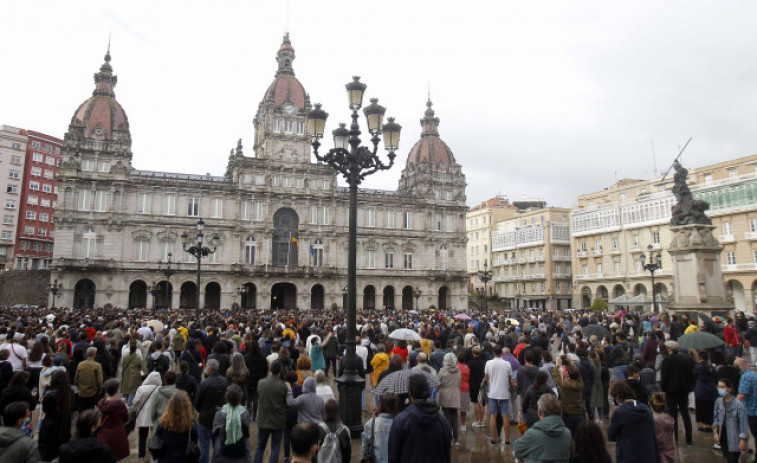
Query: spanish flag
[{"x": 295, "y": 241}]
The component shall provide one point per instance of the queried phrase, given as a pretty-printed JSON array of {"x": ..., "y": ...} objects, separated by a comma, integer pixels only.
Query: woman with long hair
[
  {"x": 531, "y": 397},
  {"x": 376, "y": 430},
  {"x": 221, "y": 354},
  {"x": 177, "y": 426},
  {"x": 331, "y": 423},
  {"x": 34, "y": 362},
  {"x": 258, "y": 368},
  {"x": 193, "y": 357},
  {"x": 303, "y": 369},
  {"x": 590, "y": 444},
  {"x": 18, "y": 390},
  {"x": 663, "y": 425},
  {"x": 238, "y": 374},
  {"x": 55, "y": 429}
]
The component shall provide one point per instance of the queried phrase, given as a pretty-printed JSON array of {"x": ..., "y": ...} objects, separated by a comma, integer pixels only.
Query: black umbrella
[
  {"x": 699, "y": 340},
  {"x": 595, "y": 330},
  {"x": 399, "y": 381}
]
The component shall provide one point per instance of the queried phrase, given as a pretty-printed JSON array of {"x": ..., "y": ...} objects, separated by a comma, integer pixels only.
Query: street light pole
[
  {"x": 354, "y": 162},
  {"x": 168, "y": 271},
  {"x": 242, "y": 292},
  {"x": 417, "y": 293},
  {"x": 485, "y": 275},
  {"x": 54, "y": 287},
  {"x": 199, "y": 251},
  {"x": 655, "y": 263}
]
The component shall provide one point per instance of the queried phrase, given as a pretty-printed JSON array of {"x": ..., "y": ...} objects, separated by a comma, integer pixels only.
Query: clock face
[{"x": 289, "y": 108}]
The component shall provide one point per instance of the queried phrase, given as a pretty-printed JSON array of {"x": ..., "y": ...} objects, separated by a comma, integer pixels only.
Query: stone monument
[{"x": 697, "y": 275}]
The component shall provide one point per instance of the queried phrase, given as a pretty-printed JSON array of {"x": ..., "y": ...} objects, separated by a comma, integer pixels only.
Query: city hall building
[{"x": 281, "y": 219}]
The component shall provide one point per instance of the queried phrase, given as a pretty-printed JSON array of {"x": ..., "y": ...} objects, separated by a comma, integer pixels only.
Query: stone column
[{"x": 697, "y": 275}]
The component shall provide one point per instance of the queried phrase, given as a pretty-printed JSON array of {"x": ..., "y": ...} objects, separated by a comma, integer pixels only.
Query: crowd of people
[{"x": 541, "y": 385}]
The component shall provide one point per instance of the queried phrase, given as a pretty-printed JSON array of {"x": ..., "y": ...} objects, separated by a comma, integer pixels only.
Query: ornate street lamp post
[
  {"x": 417, "y": 293},
  {"x": 54, "y": 287},
  {"x": 242, "y": 293},
  {"x": 485, "y": 276},
  {"x": 168, "y": 271},
  {"x": 199, "y": 251},
  {"x": 155, "y": 290},
  {"x": 354, "y": 162},
  {"x": 655, "y": 263}
]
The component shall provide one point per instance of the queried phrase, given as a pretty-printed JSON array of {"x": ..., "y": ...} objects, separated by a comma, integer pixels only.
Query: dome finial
[
  {"x": 430, "y": 123},
  {"x": 105, "y": 80},
  {"x": 285, "y": 56}
]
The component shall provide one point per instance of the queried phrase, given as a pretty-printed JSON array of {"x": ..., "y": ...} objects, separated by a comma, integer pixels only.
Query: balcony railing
[
  {"x": 726, "y": 238},
  {"x": 582, "y": 253}
]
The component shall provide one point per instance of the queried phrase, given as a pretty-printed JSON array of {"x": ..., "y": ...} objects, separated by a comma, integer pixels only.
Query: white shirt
[
  {"x": 146, "y": 333},
  {"x": 499, "y": 372},
  {"x": 272, "y": 358},
  {"x": 17, "y": 354},
  {"x": 362, "y": 352}
]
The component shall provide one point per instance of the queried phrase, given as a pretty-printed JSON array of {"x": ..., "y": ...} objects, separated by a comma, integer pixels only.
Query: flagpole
[{"x": 289, "y": 249}]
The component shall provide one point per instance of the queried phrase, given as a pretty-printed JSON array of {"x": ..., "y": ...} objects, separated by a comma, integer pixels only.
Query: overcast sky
[{"x": 535, "y": 98}]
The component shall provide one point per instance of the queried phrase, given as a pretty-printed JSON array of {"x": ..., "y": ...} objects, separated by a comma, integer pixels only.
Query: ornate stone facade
[{"x": 281, "y": 218}]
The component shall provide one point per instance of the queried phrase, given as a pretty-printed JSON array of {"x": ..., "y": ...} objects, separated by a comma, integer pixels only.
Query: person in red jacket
[{"x": 732, "y": 338}]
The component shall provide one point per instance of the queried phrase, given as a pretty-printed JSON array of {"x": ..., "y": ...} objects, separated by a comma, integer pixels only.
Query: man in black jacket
[
  {"x": 676, "y": 381},
  {"x": 210, "y": 396}
]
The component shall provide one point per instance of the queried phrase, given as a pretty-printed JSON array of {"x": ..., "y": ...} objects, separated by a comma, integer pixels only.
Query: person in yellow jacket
[
  {"x": 693, "y": 327},
  {"x": 427, "y": 345},
  {"x": 380, "y": 363}
]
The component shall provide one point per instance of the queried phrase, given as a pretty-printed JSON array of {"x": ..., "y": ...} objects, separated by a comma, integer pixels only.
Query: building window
[
  {"x": 32, "y": 200},
  {"x": 7, "y": 220},
  {"x": 370, "y": 217},
  {"x": 370, "y": 259},
  {"x": 300, "y": 128},
  {"x": 636, "y": 241},
  {"x": 103, "y": 166},
  {"x": 599, "y": 269},
  {"x": 389, "y": 259},
  {"x": 166, "y": 247},
  {"x": 49, "y": 174},
  {"x": 288, "y": 126},
  {"x": 584, "y": 270},
  {"x": 317, "y": 253},
  {"x": 389, "y": 219},
  {"x": 41, "y": 232},
  {"x": 88, "y": 165},
  {"x": 35, "y": 171},
  {"x": 408, "y": 261},
  {"x": 753, "y": 225},
  {"x": 10, "y": 203},
  {"x": 6, "y": 235},
  {"x": 407, "y": 220},
  {"x": 140, "y": 250},
  {"x": 437, "y": 221},
  {"x": 193, "y": 207},
  {"x": 257, "y": 210},
  {"x": 89, "y": 244},
  {"x": 37, "y": 157},
  {"x": 443, "y": 257},
  {"x": 44, "y": 217},
  {"x": 733, "y": 174},
  {"x": 656, "y": 237},
  {"x": 216, "y": 210},
  {"x": 246, "y": 210},
  {"x": 36, "y": 144},
  {"x": 727, "y": 229},
  {"x": 45, "y": 202},
  {"x": 617, "y": 268},
  {"x": 12, "y": 189},
  {"x": 143, "y": 203},
  {"x": 84, "y": 200},
  {"x": 169, "y": 205},
  {"x": 730, "y": 258},
  {"x": 249, "y": 250},
  {"x": 24, "y": 245},
  {"x": 47, "y": 188},
  {"x": 14, "y": 174},
  {"x": 101, "y": 201},
  {"x": 277, "y": 125},
  {"x": 215, "y": 258},
  {"x": 34, "y": 186},
  {"x": 31, "y": 215},
  {"x": 275, "y": 180},
  {"x": 326, "y": 184}
]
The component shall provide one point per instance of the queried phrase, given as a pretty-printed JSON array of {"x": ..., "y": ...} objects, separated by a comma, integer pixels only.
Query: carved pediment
[
  {"x": 141, "y": 234},
  {"x": 166, "y": 235}
]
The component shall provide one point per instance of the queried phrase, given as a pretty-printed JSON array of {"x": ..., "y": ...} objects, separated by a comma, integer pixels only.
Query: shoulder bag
[
  {"x": 371, "y": 450},
  {"x": 192, "y": 452},
  {"x": 131, "y": 423}
]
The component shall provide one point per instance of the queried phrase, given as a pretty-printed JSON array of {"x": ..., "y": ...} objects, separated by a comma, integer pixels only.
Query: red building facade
[{"x": 39, "y": 194}]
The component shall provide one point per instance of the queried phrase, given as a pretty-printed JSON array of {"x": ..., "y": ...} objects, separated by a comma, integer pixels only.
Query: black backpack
[{"x": 161, "y": 364}]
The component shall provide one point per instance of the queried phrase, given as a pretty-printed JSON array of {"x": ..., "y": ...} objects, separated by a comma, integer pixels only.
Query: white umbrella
[{"x": 405, "y": 334}]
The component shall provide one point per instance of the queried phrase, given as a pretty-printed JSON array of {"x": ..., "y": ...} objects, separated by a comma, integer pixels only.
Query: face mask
[{"x": 722, "y": 392}]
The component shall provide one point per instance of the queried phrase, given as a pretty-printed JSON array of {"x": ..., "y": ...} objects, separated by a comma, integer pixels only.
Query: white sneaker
[{"x": 463, "y": 428}]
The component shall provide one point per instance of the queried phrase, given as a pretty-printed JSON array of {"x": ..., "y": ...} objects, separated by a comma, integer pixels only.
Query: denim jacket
[
  {"x": 736, "y": 426},
  {"x": 380, "y": 438}
]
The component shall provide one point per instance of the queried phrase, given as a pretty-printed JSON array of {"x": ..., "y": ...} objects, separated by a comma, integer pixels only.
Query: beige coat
[{"x": 89, "y": 378}]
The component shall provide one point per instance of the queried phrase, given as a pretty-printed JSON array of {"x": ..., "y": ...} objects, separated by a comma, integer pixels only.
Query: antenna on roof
[
  {"x": 654, "y": 159},
  {"x": 429, "y": 90},
  {"x": 287, "y": 24},
  {"x": 109, "y": 34}
]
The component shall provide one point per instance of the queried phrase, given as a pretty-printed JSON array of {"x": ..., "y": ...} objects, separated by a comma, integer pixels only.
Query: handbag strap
[
  {"x": 373, "y": 429},
  {"x": 141, "y": 406}
]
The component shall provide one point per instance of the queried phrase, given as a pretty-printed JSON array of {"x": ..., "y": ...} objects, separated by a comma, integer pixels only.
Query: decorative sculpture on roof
[{"x": 687, "y": 211}]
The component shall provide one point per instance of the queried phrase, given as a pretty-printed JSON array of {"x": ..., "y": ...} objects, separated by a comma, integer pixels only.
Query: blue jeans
[
  {"x": 129, "y": 398},
  {"x": 620, "y": 372},
  {"x": 501, "y": 406},
  {"x": 205, "y": 436},
  {"x": 287, "y": 438},
  {"x": 276, "y": 435}
]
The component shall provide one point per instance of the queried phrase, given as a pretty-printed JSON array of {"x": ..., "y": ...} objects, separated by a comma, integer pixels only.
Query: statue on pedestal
[{"x": 687, "y": 211}]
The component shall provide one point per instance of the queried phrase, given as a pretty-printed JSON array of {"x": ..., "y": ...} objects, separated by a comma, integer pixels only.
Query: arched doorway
[
  {"x": 138, "y": 294},
  {"x": 735, "y": 289},
  {"x": 84, "y": 294},
  {"x": 283, "y": 296},
  {"x": 603, "y": 293},
  {"x": 163, "y": 300},
  {"x": 250, "y": 296},
  {"x": 285, "y": 237},
  {"x": 213, "y": 295},
  {"x": 316, "y": 297},
  {"x": 661, "y": 290},
  {"x": 369, "y": 297},
  {"x": 389, "y": 297},
  {"x": 618, "y": 291},
  {"x": 639, "y": 289},
  {"x": 444, "y": 303},
  {"x": 585, "y": 297},
  {"x": 407, "y": 298},
  {"x": 188, "y": 296}
]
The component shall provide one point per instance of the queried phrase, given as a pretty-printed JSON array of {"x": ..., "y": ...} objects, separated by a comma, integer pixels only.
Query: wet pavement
[{"x": 474, "y": 448}]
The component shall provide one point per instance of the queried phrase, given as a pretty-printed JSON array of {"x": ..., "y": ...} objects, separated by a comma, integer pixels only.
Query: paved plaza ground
[{"x": 474, "y": 449}]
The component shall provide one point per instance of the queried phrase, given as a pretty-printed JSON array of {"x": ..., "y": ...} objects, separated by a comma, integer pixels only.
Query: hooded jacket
[
  {"x": 15, "y": 447},
  {"x": 309, "y": 404},
  {"x": 160, "y": 402},
  {"x": 420, "y": 433},
  {"x": 379, "y": 363},
  {"x": 449, "y": 387},
  {"x": 144, "y": 399},
  {"x": 547, "y": 440},
  {"x": 632, "y": 427}
]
